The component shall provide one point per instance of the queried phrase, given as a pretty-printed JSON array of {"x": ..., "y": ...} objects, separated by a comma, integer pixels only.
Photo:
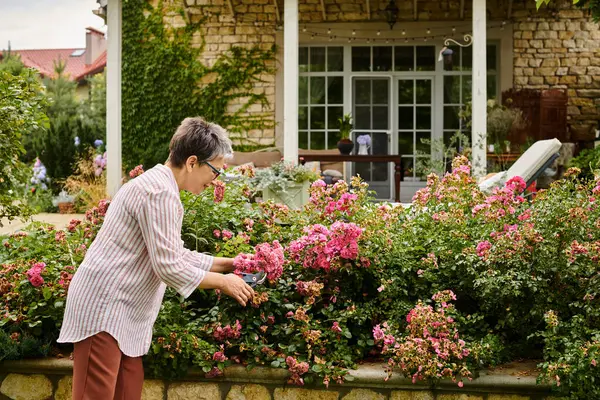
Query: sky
[{"x": 46, "y": 24}]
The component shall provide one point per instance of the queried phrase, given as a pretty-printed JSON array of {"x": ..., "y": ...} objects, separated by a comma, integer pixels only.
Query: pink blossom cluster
[
  {"x": 219, "y": 356},
  {"x": 483, "y": 248},
  {"x": 589, "y": 250},
  {"x": 227, "y": 234},
  {"x": 431, "y": 347},
  {"x": 219, "y": 192},
  {"x": 65, "y": 278},
  {"x": 451, "y": 187},
  {"x": 246, "y": 170},
  {"x": 228, "y": 332},
  {"x": 297, "y": 369},
  {"x": 94, "y": 214},
  {"x": 137, "y": 171},
  {"x": 34, "y": 274},
  {"x": 596, "y": 189},
  {"x": 322, "y": 248},
  {"x": 266, "y": 258},
  {"x": 502, "y": 201},
  {"x": 334, "y": 198}
]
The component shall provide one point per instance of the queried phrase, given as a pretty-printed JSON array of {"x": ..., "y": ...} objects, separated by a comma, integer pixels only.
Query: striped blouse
[{"x": 119, "y": 286}]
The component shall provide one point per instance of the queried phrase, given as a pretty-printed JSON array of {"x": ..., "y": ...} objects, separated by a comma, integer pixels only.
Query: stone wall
[
  {"x": 51, "y": 379},
  {"x": 559, "y": 48}
]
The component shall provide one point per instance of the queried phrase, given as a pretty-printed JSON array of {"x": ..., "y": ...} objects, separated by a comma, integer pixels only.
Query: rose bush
[{"x": 460, "y": 280}]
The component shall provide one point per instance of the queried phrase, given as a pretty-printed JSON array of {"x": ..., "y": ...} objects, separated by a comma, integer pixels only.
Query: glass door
[
  {"x": 371, "y": 115},
  {"x": 415, "y": 124}
]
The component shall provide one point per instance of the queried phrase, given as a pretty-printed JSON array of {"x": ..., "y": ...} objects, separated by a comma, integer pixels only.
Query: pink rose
[{"x": 36, "y": 280}]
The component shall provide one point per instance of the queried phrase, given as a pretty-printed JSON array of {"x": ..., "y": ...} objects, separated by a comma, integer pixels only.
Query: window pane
[
  {"x": 491, "y": 58},
  {"x": 361, "y": 58},
  {"x": 362, "y": 91},
  {"x": 425, "y": 58},
  {"x": 362, "y": 117},
  {"x": 423, "y": 88},
  {"x": 317, "y": 118},
  {"x": 303, "y": 140},
  {"x": 382, "y": 58},
  {"x": 380, "y": 117},
  {"x": 452, "y": 89},
  {"x": 405, "y": 118},
  {"x": 317, "y": 140},
  {"x": 333, "y": 114},
  {"x": 303, "y": 118},
  {"x": 380, "y": 91},
  {"x": 467, "y": 92},
  {"x": 404, "y": 58},
  {"x": 423, "y": 117},
  {"x": 335, "y": 58},
  {"x": 405, "y": 92},
  {"x": 422, "y": 146},
  {"x": 317, "y": 90},
  {"x": 317, "y": 59},
  {"x": 303, "y": 59},
  {"x": 408, "y": 165},
  {"x": 405, "y": 143},
  {"x": 332, "y": 138},
  {"x": 303, "y": 90},
  {"x": 451, "y": 117},
  {"x": 491, "y": 86},
  {"x": 335, "y": 90},
  {"x": 467, "y": 58}
]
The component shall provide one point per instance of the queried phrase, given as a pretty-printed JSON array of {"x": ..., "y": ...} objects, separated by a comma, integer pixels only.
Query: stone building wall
[{"x": 559, "y": 48}]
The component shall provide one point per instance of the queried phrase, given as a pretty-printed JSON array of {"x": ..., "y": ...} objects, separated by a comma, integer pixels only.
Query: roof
[
  {"x": 76, "y": 69},
  {"x": 94, "y": 68}
]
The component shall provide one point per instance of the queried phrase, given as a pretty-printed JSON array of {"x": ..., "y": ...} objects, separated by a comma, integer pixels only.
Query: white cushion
[
  {"x": 333, "y": 172},
  {"x": 533, "y": 159}
]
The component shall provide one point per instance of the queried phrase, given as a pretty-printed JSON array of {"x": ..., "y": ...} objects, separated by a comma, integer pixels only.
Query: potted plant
[
  {"x": 285, "y": 183},
  {"x": 64, "y": 202},
  {"x": 345, "y": 145}
]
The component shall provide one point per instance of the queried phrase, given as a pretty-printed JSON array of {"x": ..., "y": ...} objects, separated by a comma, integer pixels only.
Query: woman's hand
[{"x": 235, "y": 287}]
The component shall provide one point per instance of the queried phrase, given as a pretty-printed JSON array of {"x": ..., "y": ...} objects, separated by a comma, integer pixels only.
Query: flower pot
[
  {"x": 65, "y": 208},
  {"x": 363, "y": 149},
  {"x": 345, "y": 146},
  {"x": 295, "y": 196}
]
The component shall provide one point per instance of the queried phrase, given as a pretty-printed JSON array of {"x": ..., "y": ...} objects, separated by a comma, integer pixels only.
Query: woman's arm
[
  {"x": 222, "y": 264},
  {"x": 232, "y": 285}
]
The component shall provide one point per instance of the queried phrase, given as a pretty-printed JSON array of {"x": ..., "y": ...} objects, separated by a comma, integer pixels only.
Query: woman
[{"x": 116, "y": 293}]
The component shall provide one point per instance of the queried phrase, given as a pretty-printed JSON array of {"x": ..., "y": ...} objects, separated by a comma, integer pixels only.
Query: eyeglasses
[{"x": 215, "y": 171}]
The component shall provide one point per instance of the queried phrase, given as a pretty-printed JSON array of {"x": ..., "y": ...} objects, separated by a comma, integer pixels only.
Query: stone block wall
[
  {"x": 559, "y": 48},
  {"x": 46, "y": 379},
  {"x": 45, "y": 387}
]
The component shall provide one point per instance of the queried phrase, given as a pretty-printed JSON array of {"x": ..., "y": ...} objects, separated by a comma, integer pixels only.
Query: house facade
[{"x": 390, "y": 73}]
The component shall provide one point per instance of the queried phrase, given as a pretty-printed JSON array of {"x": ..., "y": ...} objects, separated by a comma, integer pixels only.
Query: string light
[
  {"x": 428, "y": 31},
  {"x": 304, "y": 29},
  {"x": 376, "y": 38}
]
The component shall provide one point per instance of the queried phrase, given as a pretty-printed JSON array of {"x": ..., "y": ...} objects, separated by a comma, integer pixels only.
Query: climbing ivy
[{"x": 163, "y": 82}]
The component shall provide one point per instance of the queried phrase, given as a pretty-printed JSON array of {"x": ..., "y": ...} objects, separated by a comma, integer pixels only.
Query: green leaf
[
  {"x": 47, "y": 293},
  {"x": 275, "y": 364},
  {"x": 59, "y": 304},
  {"x": 317, "y": 368}
]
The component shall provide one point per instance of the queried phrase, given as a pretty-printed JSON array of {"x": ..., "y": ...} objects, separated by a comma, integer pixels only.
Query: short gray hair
[{"x": 196, "y": 137}]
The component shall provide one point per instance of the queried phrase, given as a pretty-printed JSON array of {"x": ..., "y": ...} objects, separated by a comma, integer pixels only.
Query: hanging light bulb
[
  {"x": 502, "y": 27},
  {"x": 406, "y": 40},
  {"x": 312, "y": 36},
  {"x": 428, "y": 31},
  {"x": 329, "y": 31},
  {"x": 403, "y": 32},
  {"x": 304, "y": 28},
  {"x": 330, "y": 38},
  {"x": 349, "y": 40},
  {"x": 387, "y": 40},
  {"x": 353, "y": 32},
  {"x": 378, "y": 33},
  {"x": 453, "y": 29}
]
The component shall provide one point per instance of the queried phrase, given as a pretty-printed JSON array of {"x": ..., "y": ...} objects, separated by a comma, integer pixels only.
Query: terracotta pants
[{"x": 102, "y": 372}]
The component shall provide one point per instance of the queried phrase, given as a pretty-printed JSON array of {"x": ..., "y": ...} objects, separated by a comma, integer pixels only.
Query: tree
[
  {"x": 592, "y": 5},
  {"x": 22, "y": 105}
]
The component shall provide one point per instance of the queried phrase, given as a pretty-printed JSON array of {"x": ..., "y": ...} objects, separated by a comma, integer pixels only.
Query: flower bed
[{"x": 461, "y": 281}]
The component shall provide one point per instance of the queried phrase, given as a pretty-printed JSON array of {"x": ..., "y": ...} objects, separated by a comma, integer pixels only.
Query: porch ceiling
[{"x": 315, "y": 11}]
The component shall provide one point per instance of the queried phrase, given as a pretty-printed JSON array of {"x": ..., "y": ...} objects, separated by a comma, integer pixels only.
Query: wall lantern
[{"x": 391, "y": 13}]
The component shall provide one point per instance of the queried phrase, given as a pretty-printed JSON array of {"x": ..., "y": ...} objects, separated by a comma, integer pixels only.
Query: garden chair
[{"x": 530, "y": 166}]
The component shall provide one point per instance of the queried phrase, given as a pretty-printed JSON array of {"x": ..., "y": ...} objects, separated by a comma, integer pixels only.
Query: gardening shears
[{"x": 254, "y": 279}]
